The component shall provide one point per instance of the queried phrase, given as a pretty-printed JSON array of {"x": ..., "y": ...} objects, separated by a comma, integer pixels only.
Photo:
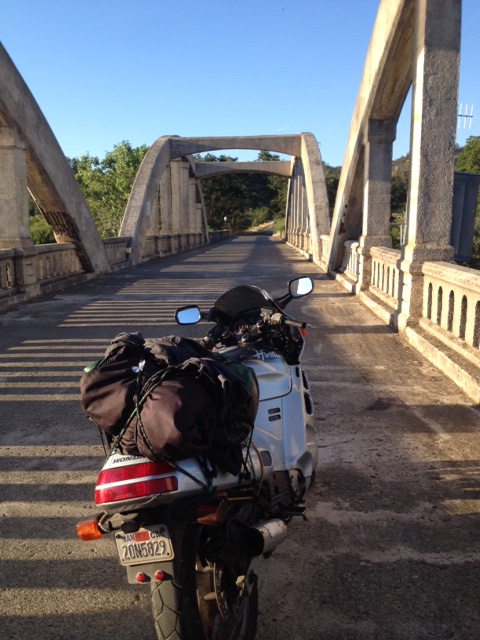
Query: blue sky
[{"x": 104, "y": 71}]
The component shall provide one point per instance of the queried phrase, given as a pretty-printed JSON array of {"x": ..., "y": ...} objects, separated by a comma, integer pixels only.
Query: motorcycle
[{"x": 199, "y": 542}]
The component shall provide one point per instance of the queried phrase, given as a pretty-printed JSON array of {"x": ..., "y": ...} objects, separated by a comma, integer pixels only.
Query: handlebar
[
  {"x": 249, "y": 333},
  {"x": 293, "y": 323},
  {"x": 279, "y": 318}
]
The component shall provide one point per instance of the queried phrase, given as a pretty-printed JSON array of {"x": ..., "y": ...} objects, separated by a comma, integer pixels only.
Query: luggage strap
[{"x": 139, "y": 399}]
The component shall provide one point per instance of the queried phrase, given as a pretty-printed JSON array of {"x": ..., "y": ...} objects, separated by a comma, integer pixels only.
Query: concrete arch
[
  {"x": 383, "y": 88},
  {"x": 153, "y": 183},
  {"x": 31, "y": 156},
  {"x": 275, "y": 168},
  {"x": 414, "y": 43}
]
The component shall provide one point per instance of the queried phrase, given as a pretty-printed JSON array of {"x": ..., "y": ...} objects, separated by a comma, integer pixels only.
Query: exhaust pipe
[{"x": 263, "y": 537}]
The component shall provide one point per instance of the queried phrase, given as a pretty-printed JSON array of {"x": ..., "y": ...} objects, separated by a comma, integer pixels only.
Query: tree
[
  {"x": 276, "y": 198},
  {"x": 243, "y": 198},
  {"x": 332, "y": 178},
  {"x": 40, "y": 231},
  {"x": 106, "y": 184},
  {"x": 468, "y": 159},
  {"x": 399, "y": 192}
]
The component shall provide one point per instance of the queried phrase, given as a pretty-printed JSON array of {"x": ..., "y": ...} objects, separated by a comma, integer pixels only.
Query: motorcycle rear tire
[{"x": 184, "y": 607}]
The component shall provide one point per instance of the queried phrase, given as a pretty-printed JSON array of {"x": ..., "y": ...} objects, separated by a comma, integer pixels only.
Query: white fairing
[{"x": 283, "y": 434}]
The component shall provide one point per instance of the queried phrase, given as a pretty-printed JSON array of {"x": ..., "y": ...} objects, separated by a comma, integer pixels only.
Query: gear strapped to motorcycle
[{"x": 171, "y": 398}]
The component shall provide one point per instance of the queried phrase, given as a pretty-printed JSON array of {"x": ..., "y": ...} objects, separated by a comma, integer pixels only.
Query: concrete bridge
[
  {"x": 390, "y": 549},
  {"x": 391, "y": 546},
  {"x": 417, "y": 289}
]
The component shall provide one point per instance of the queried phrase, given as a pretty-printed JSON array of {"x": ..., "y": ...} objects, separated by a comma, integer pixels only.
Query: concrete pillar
[
  {"x": 192, "y": 196},
  {"x": 299, "y": 207},
  {"x": 434, "y": 115},
  {"x": 175, "y": 172},
  {"x": 14, "y": 225},
  {"x": 154, "y": 214},
  {"x": 166, "y": 201},
  {"x": 379, "y": 138},
  {"x": 198, "y": 217},
  {"x": 295, "y": 218},
  {"x": 184, "y": 200}
]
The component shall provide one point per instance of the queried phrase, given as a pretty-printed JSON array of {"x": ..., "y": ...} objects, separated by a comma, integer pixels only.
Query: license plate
[{"x": 148, "y": 544}]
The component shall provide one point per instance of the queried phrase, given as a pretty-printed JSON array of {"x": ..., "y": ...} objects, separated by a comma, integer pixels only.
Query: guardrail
[
  {"x": 448, "y": 331},
  {"x": 56, "y": 261},
  {"x": 451, "y": 305},
  {"x": 7, "y": 272},
  {"x": 27, "y": 273},
  {"x": 300, "y": 238},
  {"x": 385, "y": 275},
  {"x": 350, "y": 262}
]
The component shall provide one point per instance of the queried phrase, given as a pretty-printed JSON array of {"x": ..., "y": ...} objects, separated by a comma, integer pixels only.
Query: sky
[{"x": 104, "y": 71}]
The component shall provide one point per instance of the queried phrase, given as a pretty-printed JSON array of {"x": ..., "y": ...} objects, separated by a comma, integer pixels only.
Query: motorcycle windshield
[{"x": 244, "y": 300}]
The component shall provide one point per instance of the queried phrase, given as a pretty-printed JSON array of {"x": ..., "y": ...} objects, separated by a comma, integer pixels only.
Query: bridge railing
[
  {"x": 116, "y": 249},
  {"x": 300, "y": 239},
  {"x": 451, "y": 309},
  {"x": 27, "y": 273},
  {"x": 7, "y": 271},
  {"x": 385, "y": 275},
  {"x": 57, "y": 261},
  {"x": 448, "y": 330},
  {"x": 351, "y": 259}
]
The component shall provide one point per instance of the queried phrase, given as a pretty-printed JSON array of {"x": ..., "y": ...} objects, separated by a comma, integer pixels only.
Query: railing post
[{"x": 26, "y": 272}]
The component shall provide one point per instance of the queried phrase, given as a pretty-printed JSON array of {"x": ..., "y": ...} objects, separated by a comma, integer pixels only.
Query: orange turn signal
[
  {"x": 209, "y": 514},
  {"x": 88, "y": 530}
]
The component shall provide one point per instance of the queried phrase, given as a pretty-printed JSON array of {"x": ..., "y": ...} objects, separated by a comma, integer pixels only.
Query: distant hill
[{"x": 401, "y": 167}]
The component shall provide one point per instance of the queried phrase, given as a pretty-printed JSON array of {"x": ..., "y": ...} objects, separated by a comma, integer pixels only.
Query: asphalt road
[{"x": 391, "y": 548}]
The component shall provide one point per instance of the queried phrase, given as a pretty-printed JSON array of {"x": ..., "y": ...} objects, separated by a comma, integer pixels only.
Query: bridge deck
[{"x": 390, "y": 549}]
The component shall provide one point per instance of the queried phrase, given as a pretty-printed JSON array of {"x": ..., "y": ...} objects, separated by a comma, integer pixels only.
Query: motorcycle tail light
[{"x": 134, "y": 481}]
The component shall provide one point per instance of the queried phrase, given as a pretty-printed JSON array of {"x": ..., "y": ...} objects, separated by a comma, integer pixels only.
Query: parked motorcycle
[{"x": 199, "y": 536}]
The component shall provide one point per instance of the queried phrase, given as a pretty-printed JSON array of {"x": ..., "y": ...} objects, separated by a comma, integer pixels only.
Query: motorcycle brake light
[{"x": 134, "y": 481}]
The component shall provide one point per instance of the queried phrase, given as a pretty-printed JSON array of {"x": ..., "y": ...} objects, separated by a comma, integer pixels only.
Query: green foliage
[
  {"x": 260, "y": 216},
  {"x": 245, "y": 199},
  {"x": 279, "y": 226},
  {"x": 400, "y": 171},
  {"x": 106, "y": 184},
  {"x": 332, "y": 178},
  {"x": 468, "y": 160},
  {"x": 40, "y": 231},
  {"x": 399, "y": 191}
]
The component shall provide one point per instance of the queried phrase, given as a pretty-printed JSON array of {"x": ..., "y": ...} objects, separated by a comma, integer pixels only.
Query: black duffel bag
[{"x": 169, "y": 398}]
